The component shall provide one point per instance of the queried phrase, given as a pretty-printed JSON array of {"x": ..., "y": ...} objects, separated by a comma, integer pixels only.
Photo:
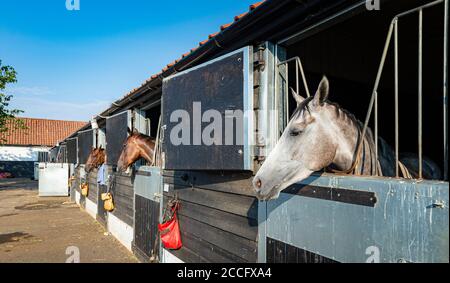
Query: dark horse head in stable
[
  {"x": 96, "y": 158},
  {"x": 136, "y": 146}
]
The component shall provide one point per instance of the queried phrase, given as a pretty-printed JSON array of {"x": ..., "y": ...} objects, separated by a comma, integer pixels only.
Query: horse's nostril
[{"x": 258, "y": 183}]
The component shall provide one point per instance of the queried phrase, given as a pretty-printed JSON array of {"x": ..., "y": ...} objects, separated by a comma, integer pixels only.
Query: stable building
[
  {"x": 379, "y": 72},
  {"x": 21, "y": 148}
]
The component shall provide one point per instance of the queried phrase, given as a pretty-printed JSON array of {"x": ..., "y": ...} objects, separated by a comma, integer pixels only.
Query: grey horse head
[
  {"x": 320, "y": 134},
  {"x": 315, "y": 137}
]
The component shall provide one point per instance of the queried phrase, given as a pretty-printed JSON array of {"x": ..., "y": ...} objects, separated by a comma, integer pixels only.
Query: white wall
[
  {"x": 119, "y": 229},
  {"x": 20, "y": 153}
]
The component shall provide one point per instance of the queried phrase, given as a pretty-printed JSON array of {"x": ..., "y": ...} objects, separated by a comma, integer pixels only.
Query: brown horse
[
  {"x": 135, "y": 147},
  {"x": 96, "y": 158}
]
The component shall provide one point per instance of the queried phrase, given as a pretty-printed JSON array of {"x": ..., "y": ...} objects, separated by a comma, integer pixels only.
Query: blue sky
[{"x": 73, "y": 64}]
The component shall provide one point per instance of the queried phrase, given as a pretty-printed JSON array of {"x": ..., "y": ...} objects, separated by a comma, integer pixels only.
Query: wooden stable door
[{"x": 217, "y": 94}]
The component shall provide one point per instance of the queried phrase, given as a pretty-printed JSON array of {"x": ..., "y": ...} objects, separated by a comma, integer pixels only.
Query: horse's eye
[{"x": 295, "y": 133}]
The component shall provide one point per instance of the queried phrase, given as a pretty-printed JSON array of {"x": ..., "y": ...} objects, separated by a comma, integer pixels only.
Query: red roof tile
[
  {"x": 222, "y": 27},
  {"x": 238, "y": 17},
  {"x": 41, "y": 132},
  {"x": 203, "y": 42},
  {"x": 213, "y": 35},
  {"x": 255, "y": 5}
]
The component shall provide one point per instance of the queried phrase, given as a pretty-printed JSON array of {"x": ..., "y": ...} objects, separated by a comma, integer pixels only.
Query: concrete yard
[{"x": 43, "y": 229}]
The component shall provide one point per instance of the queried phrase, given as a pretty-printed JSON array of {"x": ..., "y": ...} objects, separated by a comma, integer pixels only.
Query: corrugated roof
[{"x": 43, "y": 132}]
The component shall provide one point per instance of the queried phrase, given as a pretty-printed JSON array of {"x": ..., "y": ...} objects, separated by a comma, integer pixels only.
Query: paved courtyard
[{"x": 51, "y": 229}]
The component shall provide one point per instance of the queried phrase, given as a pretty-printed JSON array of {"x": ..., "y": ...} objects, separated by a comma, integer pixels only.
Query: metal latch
[{"x": 438, "y": 204}]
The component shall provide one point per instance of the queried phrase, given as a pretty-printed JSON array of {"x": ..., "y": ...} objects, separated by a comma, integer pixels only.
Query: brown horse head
[
  {"x": 96, "y": 158},
  {"x": 136, "y": 146}
]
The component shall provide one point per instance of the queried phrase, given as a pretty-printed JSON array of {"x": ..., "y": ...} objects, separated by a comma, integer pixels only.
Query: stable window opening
[{"x": 349, "y": 54}]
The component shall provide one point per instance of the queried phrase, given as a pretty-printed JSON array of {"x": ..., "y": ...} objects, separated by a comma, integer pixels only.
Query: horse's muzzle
[{"x": 264, "y": 194}]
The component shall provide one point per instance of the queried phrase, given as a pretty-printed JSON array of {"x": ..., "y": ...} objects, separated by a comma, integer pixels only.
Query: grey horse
[{"x": 322, "y": 135}]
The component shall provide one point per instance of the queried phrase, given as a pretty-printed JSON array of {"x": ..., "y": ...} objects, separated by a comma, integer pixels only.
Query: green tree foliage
[{"x": 8, "y": 117}]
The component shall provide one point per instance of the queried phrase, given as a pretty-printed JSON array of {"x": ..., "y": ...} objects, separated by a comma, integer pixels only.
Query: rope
[
  {"x": 404, "y": 171},
  {"x": 378, "y": 170}
]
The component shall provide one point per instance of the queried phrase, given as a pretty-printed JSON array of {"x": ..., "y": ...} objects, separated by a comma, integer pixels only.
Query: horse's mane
[
  {"x": 302, "y": 106},
  {"x": 347, "y": 114},
  {"x": 369, "y": 138},
  {"x": 339, "y": 110},
  {"x": 144, "y": 136}
]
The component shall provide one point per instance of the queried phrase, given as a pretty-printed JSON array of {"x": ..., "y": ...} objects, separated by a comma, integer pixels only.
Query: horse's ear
[
  {"x": 135, "y": 131},
  {"x": 298, "y": 98},
  {"x": 129, "y": 131},
  {"x": 322, "y": 91},
  {"x": 101, "y": 147}
]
